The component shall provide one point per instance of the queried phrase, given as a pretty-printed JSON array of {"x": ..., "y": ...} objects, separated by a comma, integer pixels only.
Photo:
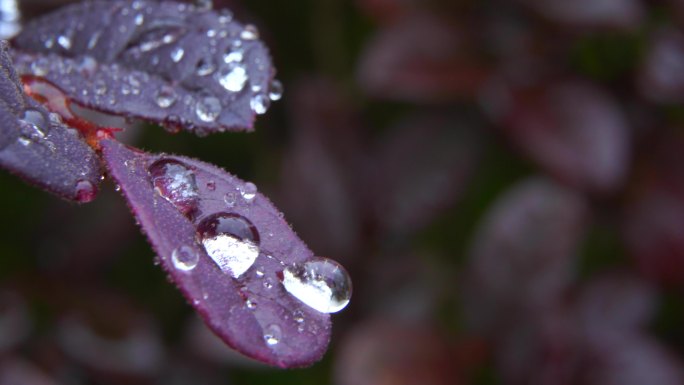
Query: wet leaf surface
[
  {"x": 38, "y": 147},
  {"x": 167, "y": 62},
  {"x": 228, "y": 255}
]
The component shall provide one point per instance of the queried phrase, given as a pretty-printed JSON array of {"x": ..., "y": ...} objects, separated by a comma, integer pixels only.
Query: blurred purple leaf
[
  {"x": 574, "y": 130},
  {"x": 421, "y": 58},
  {"x": 37, "y": 146},
  {"x": 422, "y": 167},
  {"x": 614, "y": 14},
  {"x": 228, "y": 249},
  {"x": 661, "y": 78},
  {"x": 523, "y": 253},
  {"x": 168, "y": 62}
]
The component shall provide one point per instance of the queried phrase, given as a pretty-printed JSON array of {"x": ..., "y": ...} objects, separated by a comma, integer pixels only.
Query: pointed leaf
[
  {"x": 38, "y": 147},
  {"x": 168, "y": 62},
  {"x": 177, "y": 201}
]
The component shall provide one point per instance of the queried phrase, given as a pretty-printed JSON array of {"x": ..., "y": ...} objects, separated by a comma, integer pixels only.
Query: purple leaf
[
  {"x": 232, "y": 255},
  {"x": 167, "y": 62},
  {"x": 617, "y": 14},
  {"x": 661, "y": 78},
  {"x": 37, "y": 146}
]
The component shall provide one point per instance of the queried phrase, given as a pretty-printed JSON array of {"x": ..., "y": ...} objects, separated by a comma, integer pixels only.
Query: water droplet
[
  {"x": 177, "y": 54},
  {"x": 125, "y": 89},
  {"x": 24, "y": 141},
  {"x": 175, "y": 182},
  {"x": 100, "y": 87},
  {"x": 211, "y": 33},
  {"x": 232, "y": 79},
  {"x": 208, "y": 108},
  {"x": 117, "y": 188},
  {"x": 34, "y": 124},
  {"x": 40, "y": 67},
  {"x": 184, "y": 258},
  {"x": 250, "y": 32},
  {"x": 85, "y": 191},
  {"x": 267, "y": 283},
  {"x": 248, "y": 191},
  {"x": 211, "y": 185},
  {"x": 259, "y": 272},
  {"x": 92, "y": 42},
  {"x": 250, "y": 304},
  {"x": 259, "y": 103},
  {"x": 49, "y": 43},
  {"x": 275, "y": 90},
  {"x": 139, "y": 19},
  {"x": 272, "y": 334},
  {"x": 225, "y": 17},
  {"x": 64, "y": 41},
  {"x": 298, "y": 316},
  {"x": 320, "y": 283},
  {"x": 231, "y": 240},
  {"x": 165, "y": 97},
  {"x": 233, "y": 56},
  {"x": 205, "y": 67}
]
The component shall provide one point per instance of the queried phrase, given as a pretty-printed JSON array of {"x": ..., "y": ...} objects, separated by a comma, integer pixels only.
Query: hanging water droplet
[
  {"x": 232, "y": 79},
  {"x": 231, "y": 240},
  {"x": 64, "y": 41},
  {"x": 175, "y": 182},
  {"x": 259, "y": 103},
  {"x": 177, "y": 54},
  {"x": 205, "y": 67},
  {"x": 248, "y": 191},
  {"x": 272, "y": 334},
  {"x": 320, "y": 283},
  {"x": 184, "y": 258},
  {"x": 275, "y": 90},
  {"x": 250, "y": 32},
  {"x": 233, "y": 56},
  {"x": 165, "y": 97},
  {"x": 85, "y": 191},
  {"x": 139, "y": 19},
  {"x": 208, "y": 108}
]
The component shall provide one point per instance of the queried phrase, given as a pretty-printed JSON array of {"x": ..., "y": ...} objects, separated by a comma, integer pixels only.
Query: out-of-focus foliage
[{"x": 502, "y": 178}]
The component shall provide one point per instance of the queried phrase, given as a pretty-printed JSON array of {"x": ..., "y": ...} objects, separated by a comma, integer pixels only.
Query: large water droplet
[
  {"x": 175, "y": 182},
  {"x": 85, "y": 191},
  {"x": 275, "y": 90},
  {"x": 177, "y": 54},
  {"x": 165, "y": 97},
  {"x": 34, "y": 124},
  {"x": 208, "y": 108},
  {"x": 272, "y": 334},
  {"x": 320, "y": 283},
  {"x": 184, "y": 258},
  {"x": 259, "y": 103},
  {"x": 231, "y": 240},
  {"x": 232, "y": 79}
]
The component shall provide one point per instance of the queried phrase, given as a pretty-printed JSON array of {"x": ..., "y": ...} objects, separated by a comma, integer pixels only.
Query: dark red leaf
[
  {"x": 167, "y": 62},
  {"x": 231, "y": 254},
  {"x": 37, "y": 146}
]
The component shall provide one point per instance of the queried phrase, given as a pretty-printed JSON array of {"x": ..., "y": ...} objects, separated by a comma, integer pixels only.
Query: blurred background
[{"x": 504, "y": 180}]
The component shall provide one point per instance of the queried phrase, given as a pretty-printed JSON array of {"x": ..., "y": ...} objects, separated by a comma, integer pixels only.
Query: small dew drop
[
  {"x": 100, "y": 87},
  {"x": 320, "y": 283},
  {"x": 248, "y": 191},
  {"x": 184, "y": 258},
  {"x": 230, "y": 198},
  {"x": 232, "y": 79},
  {"x": 250, "y": 32},
  {"x": 49, "y": 43},
  {"x": 208, "y": 108},
  {"x": 275, "y": 90},
  {"x": 211, "y": 185},
  {"x": 231, "y": 240},
  {"x": 175, "y": 182},
  {"x": 85, "y": 191},
  {"x": 40, "y": 67},
  {"x": 233, "y": 56},
  {"x": 259, "y": 272},
  {"x": 64, "y": 42},
  {"x": 139, "y": 19},
  {"x": 165, "y": 97},
  {"x": 177, "y": 54},
  {"x": 259, "y": 103},
  {"x": 250, "y": 304},
  {"x": 225, "y": 17},
  {"x": 205, "y": 67},
  {"x": 272, "y": 334}
]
